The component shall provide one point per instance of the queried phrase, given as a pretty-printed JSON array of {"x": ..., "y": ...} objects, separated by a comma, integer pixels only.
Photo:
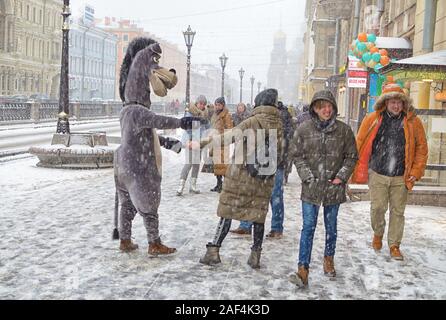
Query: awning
[{"x": 430, "y": 66}]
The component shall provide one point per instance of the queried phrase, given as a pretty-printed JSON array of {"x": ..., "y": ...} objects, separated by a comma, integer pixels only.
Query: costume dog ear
[{"x": 162, "y": 79}]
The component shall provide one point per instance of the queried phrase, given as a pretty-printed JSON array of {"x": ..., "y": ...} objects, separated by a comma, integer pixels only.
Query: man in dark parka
[{"x": 324, "y": 153}]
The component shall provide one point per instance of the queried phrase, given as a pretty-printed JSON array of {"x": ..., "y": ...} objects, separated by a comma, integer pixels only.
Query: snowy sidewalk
[{"x": 56, "y": 244}]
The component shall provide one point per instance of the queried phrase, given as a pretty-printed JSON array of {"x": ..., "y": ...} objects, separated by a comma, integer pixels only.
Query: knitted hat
[
  {"x": 391, "y": 87},
  {"x": 220, "y": 100}
]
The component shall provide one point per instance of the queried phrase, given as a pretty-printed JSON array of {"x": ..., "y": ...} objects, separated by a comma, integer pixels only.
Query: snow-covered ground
[{"x": 55, "y": 243}]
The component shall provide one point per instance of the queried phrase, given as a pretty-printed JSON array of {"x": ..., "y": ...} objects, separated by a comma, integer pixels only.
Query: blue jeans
[
  {"x": 277, "y": 206},
  {"x": 309, "y": 215}
]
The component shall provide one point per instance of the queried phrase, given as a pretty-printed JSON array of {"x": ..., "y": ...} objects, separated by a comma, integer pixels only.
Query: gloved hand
[
  {"x": 312, "y": 179},
  {"x": 186, "y": 122},
  {"x": 171, "y": 144}
]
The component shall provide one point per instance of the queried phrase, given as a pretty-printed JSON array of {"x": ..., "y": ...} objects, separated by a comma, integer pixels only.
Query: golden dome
[{"x": 279, "y": 35}]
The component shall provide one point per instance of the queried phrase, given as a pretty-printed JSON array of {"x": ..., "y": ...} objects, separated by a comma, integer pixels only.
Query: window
[
  {"x": 34, "y": 15},
  {"x": 330, "y": 52},
  {"x": 125, "y": 37},
  {"x": 27, "y": 12}
]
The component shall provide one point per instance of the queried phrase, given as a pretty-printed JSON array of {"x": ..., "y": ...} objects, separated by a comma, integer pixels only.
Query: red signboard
[{"x": 357, "y": 74}]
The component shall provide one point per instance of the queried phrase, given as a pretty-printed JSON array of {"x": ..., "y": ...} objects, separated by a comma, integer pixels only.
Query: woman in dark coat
[{"x": 245, "y": 197}]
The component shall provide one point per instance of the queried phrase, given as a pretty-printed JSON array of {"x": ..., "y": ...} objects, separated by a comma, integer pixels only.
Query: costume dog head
[{"x": 141, "y": 67}]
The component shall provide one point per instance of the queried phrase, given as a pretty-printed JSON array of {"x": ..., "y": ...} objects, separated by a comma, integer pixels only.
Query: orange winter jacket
[{"x": 416, "y": 145}]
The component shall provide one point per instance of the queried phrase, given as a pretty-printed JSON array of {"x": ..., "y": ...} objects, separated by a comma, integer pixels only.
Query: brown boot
[
  {"x": 157, "y": 248},
  {"x": 274, "y": 235},
  {"x": 377, "y": 242},
  {"x": 329, "y": 269},
  {"x": 241, "y": 231},
  {"x": 127, "y": 246},
  {"x": 300, "y": 278},
  {"x": 395, "y": 253}
]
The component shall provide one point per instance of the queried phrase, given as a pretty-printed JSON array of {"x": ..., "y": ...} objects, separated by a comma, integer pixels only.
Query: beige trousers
[{"x": 387, "y": 192}]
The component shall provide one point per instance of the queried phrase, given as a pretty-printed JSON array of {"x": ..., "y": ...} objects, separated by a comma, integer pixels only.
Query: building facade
[
  {"x": 93, "y": 57},
  {"x": 30, "y": 47}
]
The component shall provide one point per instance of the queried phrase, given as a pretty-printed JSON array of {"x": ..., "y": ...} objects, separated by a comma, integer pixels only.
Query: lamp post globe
[
  {"x": 223, "y": 58},
  {"x": 241, "y": 72},
  {"x": 188, "y": 39}
]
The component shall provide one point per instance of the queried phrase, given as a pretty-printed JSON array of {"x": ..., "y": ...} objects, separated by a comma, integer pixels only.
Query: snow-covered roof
[
  {"x": 437, "y": 58},
  {"x": 393, "y": 43}
]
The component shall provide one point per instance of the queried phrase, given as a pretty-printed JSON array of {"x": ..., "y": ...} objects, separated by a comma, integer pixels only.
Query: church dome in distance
[{"x": 279, "y": 35}]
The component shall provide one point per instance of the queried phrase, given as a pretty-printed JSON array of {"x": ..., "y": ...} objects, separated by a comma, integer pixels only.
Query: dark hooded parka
[{"x": 323, "y": 151}]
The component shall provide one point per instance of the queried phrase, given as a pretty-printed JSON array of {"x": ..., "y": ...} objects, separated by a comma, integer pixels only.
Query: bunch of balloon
[{"x": 364, "y": 48}]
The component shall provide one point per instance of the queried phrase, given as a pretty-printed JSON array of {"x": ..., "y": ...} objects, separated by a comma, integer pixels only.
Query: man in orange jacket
[{"x": 392, "y": 156}]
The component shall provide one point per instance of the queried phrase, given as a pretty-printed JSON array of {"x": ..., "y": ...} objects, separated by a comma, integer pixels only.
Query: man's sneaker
[
  {"x": 241, "y": 231},
  {"x": 395, "y": 253},
  {"x": 274, "y": 235},
  {"x": 377, "y": 242}
]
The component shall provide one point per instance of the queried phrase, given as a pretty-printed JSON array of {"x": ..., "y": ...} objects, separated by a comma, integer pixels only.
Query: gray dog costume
[{"x": 138, "y": 158}]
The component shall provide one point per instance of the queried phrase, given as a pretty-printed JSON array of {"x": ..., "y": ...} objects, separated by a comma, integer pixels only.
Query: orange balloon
[
  {"x": 383, "y": 52},
  {"x": 390, "y": 79},
  {"x": 362, "y": 37},
  {"x": 384, "y": 60},
  {"x": 374, "y": 50}
]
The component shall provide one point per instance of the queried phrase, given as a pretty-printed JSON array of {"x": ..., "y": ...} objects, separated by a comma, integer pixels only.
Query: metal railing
[
  {"x": 48, "y": 111},
  {"x": 15, "y": 111}
]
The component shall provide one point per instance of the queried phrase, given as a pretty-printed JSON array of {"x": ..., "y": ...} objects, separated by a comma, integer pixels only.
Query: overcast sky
[{"x": 243, "y": 30}]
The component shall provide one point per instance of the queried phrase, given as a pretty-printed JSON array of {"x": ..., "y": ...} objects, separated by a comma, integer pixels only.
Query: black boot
[
  {"x": 254, "y": 258},
  {"x": 219, "y": 185},
  {"x": 212, "y": 255}
]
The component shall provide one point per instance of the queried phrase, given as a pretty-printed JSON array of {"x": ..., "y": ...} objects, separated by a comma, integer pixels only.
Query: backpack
[{"x": 260, "y": 167}]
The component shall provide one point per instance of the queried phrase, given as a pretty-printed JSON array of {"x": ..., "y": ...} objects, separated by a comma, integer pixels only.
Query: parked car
[{"x": 39, "y": 97}]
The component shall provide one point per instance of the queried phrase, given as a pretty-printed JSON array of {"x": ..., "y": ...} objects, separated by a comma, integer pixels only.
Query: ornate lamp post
[
  {"x": 241, "y": 72},
  {"x": 223, "y": 60},
  {"x": 63, "y": 126},
  {"x": 252, "y": 86},
  {"x": 189, "y": 39},
  {"x": 259, "y": 84}
]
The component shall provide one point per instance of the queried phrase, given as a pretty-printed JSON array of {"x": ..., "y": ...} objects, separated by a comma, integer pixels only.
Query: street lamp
[
  {"x": 189, "y": 39},
  {"x": 252, "y": 86},
  {"x": 63, "y": 126},
  {"x": 241, "y": 72},
  {"x": 259, "y": 84},
  {"x": 223, "y": 60}
]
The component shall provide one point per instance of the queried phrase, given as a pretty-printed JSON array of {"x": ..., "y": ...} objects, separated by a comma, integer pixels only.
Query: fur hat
[
  {"x": 220, "y": 100},
  {"x": 380, "y": 104},
  {"x": 201, "y": 98}
]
